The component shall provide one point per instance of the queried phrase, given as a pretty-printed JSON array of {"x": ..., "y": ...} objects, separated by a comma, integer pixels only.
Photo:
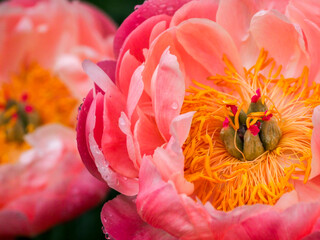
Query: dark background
[{"x": 88, "y": 226}]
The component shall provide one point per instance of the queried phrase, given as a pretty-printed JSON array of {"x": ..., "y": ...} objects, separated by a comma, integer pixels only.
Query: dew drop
[
  {"x": 122, "y": 122},
  {"x": 170, "y": 8},
  {"x": 117, "y": 182},
  {"x": 162, "y": 5},
  {"x": 174, "y": 106}
]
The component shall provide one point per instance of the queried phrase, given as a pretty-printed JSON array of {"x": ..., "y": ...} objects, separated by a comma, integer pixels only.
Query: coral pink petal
[
  {"x": 283, "y": 41},
  {"x": 122, "y": 184},
  {"x": 180, "y": 127},
  {"x": 278, "y": 225},
  {"x": 109, "y": 67},
  {"x": 139, "y": 37},
  {"x": 186, "y": 61},
  {"x": 168, "y": 89},
  {"x": 159, "y": 203},
  {"x": 309, "y": 8},
  {"x": 311, "y": 29},
  {"x": 235, "y": 17},
  {"x": 208, "y": 42},
  {"x": 145, "y": 11},
  {"x": 135, "y": 90},
  {"x": 315, "y": 143},
  {"x": 113, "y": 140},
  {"x": 132, "y": 144},
  {"x": 121, "y": 221},
  {"x": 125, "y": 70},
  {"x": 82, "y": 138},
  {"x": 195, "y": 9},
  {"x": 147, "y": 134},
  {"x": 309, "y": 191}
]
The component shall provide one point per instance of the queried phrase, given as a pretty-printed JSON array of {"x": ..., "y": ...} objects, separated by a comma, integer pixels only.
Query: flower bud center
[{"x": 253, "y": 132}]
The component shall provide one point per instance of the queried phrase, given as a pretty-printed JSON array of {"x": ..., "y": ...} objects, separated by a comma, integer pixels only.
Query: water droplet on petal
[
  {"x": 122, "y": 122},
  {"x": 174, "y": 106},
  {"x": 162, "y": 5},
  {"x": 169, "y": 8}
]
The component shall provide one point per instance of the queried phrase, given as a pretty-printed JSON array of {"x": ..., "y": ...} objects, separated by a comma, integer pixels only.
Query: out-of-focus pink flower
[
  {"x": 42, "y": 179},
  {"x": 155, "y": 129}
]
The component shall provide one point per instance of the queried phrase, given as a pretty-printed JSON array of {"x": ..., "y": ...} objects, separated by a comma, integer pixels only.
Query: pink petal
[
  {"x": 132, "y": 144},
  {"x": 311, "y": 28},
  {"x": 283, "y": 42},
  {"x": 158, "y": 203},
  {"x": 196, "y": 9},
  {"x": 82, "y": 138},
  {"x": 135, "y": 90},
  {"x": 143, "y": 12},
  {"x": 109, "y": 67},
  {"x": 125, "y": 69},
  {"x": 315, "y": 143},
  {"x": 180, "y": 127},
  {"x": 122, "y": 184},
  {"x": 121, "y": 221},
  {"x": 147, "y": 134},
  {"x": 168, "y": 91},
  {"x": 113, "y": 140},
  {"x": 207, "y": 42}
]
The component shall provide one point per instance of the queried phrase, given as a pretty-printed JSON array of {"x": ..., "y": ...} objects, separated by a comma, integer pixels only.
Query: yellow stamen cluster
[
  {"x": 45, "y": 93},
  {"x": 222, "y": 179}
]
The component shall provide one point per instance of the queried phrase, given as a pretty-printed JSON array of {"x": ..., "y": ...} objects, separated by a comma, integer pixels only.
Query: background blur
[{"x": 88, "y": 226}]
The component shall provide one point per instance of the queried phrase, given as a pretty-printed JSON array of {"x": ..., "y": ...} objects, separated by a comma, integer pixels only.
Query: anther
[
  {"x": 227, "y": 135},
  {"x": 252, "y": 146}
]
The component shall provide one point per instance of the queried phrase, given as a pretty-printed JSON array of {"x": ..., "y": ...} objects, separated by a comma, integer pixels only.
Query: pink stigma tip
[
  {"x": 234, "y": 109},
  {"x": 24, "y": 97},
  {"x": 28, "y": 109},
  {"x": 225, "y": 123},
  {"x": 256, "y": 97},
  {"x": 254, "y": 129},
  {"x": 267, "y": 117}
]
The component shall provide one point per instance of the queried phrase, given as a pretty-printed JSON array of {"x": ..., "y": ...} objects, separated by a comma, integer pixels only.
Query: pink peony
[
  {"x": 42, "y": 179},
  {"x": 209, "y": 122}
]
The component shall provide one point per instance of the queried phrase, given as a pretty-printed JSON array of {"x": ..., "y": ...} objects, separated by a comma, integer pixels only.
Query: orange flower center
[
  {"x": 31, "y": 98},
  {"x": 250, "y": 135}
]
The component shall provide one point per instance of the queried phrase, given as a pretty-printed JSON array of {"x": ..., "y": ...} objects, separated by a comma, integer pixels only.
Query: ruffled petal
[
  {"x": 121, "y": 221},
  {"x": 158, "y": 203},
  {"x": 168, "y": 91},
  {"x": 195, "y": 9},
  {"x": 315, "y": 143},
  {"x": 143, "y": 12},
  {"x": 283, "y": 41}
]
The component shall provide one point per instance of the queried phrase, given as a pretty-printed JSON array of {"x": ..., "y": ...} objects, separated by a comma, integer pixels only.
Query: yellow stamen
[{"x": 220, "y": 178}]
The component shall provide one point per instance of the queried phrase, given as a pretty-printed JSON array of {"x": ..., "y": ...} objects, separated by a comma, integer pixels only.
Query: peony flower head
[
  {"x": 42, "y": 179},
  {"x": 209, "y": 123}
]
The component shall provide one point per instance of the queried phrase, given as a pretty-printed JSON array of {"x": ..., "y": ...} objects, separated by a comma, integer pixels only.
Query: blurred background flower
[{"x": 42, "y": 180}]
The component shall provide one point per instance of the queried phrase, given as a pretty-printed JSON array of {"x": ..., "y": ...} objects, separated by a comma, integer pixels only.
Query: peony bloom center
[
  {"x": 250, "y": 135},
  {"x": 32, "y": 98}
]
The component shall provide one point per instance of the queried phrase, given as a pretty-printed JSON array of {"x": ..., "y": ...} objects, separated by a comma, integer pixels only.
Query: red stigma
[
  {"x": 28, "y": 109},
  {"x": 233, "y": 108},
  {"x": 256, "y": 97},
  {"x": 267, "y": 117},
  {"x": 255, "y": 129},
  {"x": 24, "y": 97},
  {"x": 225, "y": 123},
  {"x": 15, "y": 116}
]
